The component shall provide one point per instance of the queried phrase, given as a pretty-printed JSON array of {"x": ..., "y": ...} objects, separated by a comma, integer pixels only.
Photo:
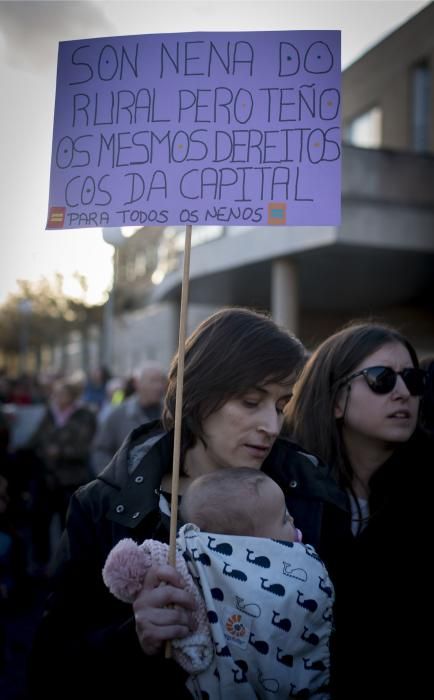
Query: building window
[
  {"x": 365, "y": 130},
  {"x": 420, "y": 106}
]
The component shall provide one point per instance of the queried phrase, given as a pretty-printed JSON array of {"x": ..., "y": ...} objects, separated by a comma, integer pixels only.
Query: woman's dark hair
[
  {"x": 310, "y": 415},
  {"x": 231, "y": 352}
]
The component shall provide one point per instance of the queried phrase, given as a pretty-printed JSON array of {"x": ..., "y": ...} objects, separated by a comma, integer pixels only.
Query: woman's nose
[
  {"x": 401, "y": 387},
  {"x": 270, "y": 422}
]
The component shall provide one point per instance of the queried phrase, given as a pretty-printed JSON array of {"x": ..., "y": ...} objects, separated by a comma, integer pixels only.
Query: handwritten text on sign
[{"x": 197, "y": 128}]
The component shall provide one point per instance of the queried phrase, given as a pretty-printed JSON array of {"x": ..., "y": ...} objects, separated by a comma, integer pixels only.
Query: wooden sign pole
[{"x": 178, "y": 406}]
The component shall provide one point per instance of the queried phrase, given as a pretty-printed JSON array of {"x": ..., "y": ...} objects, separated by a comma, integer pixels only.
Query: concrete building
[
  {"x": 388, "y": 94},
  {"x": 380, "y": 261}
]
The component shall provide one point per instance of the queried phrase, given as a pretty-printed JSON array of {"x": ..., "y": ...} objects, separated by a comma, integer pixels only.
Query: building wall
[
  {"x": 415, "y": 322},
  {"x": 383, "y": 77},
  {"x": 151, "y": 333},
  {"x": 388, "y": 210}
]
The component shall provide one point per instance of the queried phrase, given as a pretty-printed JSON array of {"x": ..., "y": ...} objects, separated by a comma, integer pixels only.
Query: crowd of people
[
  {"x": 344, "y": 431},
  {"x": 52, "y": 432}
]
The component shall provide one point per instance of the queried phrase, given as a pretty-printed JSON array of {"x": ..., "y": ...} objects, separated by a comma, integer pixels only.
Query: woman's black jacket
[
  {"x": 382, "y": 583},
  {"x": 86, "y": 644}
]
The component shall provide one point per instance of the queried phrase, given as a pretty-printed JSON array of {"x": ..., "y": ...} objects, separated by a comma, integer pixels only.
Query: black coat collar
[{"x": 136, "y": 493}]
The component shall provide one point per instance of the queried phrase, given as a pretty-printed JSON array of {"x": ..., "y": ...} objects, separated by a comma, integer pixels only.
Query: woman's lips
[
  {"x": 257, "y": 451},
  {"x": 258, "y": 448}
]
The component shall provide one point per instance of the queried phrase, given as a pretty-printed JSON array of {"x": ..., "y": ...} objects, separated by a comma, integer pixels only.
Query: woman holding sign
[{"x": 238, "y": 376}]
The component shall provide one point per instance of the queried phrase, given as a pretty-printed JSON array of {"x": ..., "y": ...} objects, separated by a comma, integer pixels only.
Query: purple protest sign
[{"x": 236, "y": 128}]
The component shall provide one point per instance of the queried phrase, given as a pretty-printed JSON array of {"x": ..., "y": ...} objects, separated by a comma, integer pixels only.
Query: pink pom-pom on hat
[{"x": 125, "y": 570}]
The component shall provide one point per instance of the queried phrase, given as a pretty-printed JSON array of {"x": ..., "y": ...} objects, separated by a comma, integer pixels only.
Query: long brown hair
[
  {"x": 231, "y": 352},
  {"x": 310, "y": 415}
]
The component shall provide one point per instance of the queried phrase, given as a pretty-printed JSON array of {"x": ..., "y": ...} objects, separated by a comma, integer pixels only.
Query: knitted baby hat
[{"x": 124, "y": 574}]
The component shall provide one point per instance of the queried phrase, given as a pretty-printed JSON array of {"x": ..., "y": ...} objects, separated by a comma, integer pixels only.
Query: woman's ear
[{"x": 341, "y": 403}]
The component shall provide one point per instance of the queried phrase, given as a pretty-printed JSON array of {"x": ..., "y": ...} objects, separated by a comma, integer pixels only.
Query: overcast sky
[{"x": 29, "y": 36}]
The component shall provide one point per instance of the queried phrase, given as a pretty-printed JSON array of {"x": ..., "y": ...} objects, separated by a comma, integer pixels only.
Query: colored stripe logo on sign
[
  {"x": 276, "y": 213},
  {"x": 56, "y": 217}
]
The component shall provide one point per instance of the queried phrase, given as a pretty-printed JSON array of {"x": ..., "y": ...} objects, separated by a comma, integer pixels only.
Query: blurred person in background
[
  {"x": 94, "y": 390},
  {"x": 5, "y": 388},
  {"x": 18, "y": 594},
  {"x": 61, "y": 444},
  {"x": 143, "y": 406},
  {"x": 114, "y": 395}
]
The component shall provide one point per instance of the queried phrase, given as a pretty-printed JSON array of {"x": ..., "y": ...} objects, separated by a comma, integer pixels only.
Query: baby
[
  {"x": 242, "y": 501},
  {"x": 265, "y": 598}
]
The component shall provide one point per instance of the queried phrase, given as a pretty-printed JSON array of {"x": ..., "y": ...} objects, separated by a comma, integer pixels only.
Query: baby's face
[{"x": 272, "y": 515}]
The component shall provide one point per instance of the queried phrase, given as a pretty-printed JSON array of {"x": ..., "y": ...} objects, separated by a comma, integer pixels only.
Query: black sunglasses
[{"x": 382, "y": 380}]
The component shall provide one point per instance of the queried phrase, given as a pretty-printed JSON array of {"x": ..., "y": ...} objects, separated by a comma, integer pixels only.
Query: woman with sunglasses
[{"x": 356, "y": 406}]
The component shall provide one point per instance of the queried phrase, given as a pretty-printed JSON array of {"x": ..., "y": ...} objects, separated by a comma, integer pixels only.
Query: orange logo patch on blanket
[{"x": 236, "y": 627}]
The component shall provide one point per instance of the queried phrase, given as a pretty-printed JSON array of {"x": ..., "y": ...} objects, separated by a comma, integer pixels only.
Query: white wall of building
[{"x": 151, "y": 333}]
